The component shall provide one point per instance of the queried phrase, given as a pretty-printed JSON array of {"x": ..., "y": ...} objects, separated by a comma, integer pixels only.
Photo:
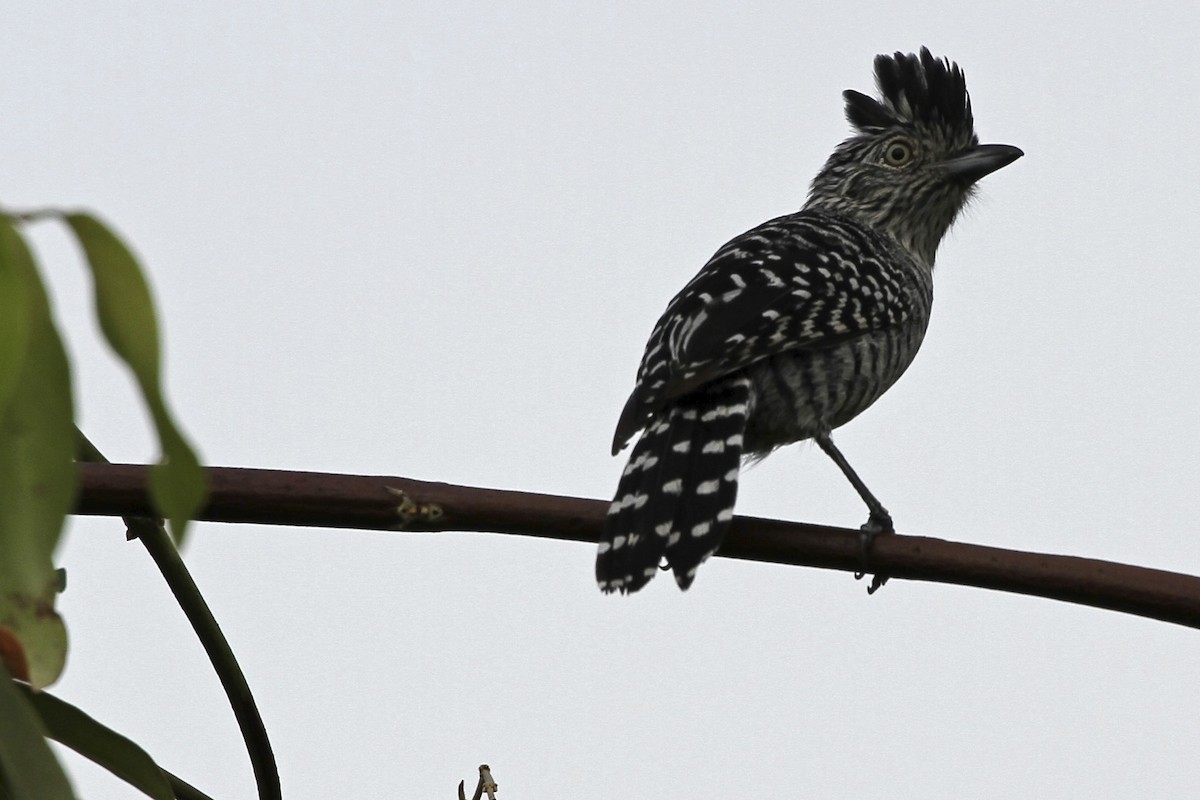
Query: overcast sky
[{"x": 430, "y": 240}]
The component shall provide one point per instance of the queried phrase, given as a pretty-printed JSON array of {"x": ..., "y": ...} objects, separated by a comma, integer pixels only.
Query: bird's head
[{"x": 914, "y": 159}]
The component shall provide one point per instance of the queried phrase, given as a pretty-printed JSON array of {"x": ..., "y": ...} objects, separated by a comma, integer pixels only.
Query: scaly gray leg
[{"x": 879, "y": 521}]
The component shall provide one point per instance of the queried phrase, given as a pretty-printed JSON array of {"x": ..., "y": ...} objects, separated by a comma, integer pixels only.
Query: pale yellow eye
[{"x": 898, "y": 152}]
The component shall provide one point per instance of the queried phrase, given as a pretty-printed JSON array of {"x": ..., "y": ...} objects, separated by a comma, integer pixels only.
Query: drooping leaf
[
  {"x": 27, "y": 765},
  {"x": 37, "y": 483},
  {"x": 126, "y": 311},
  {"x": 15, "y": 313},
  {"x": 68, "y": 725}
]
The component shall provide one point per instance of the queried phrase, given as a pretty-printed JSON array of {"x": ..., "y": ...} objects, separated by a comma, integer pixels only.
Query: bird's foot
[{"x": 879, "y": 523}]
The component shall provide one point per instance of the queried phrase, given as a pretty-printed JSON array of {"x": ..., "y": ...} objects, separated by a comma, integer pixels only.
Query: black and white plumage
[{"x": 797, "y": 326}]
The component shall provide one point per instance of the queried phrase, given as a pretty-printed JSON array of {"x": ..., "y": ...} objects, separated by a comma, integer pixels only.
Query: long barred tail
[{"x": 676, "y": 495}]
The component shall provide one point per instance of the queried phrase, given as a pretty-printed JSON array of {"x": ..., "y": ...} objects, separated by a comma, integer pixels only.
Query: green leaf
[
  {"x": 177, "y": 484},
  {"x": 27, "y": 764},
  {"x": 37, "y": 483},
  {"x": 65, "y": 723},
  {"x": 15, "y": 315}
]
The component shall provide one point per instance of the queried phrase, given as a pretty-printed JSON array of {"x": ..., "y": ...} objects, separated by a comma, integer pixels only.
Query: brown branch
[{"x": 352, "y": 501}]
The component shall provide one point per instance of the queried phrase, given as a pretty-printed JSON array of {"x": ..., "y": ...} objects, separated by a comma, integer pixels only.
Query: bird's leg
[{"x": 879, "y": 521}]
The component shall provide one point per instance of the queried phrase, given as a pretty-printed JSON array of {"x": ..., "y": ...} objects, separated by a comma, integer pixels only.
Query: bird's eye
[{"x": 898, "y": 152}]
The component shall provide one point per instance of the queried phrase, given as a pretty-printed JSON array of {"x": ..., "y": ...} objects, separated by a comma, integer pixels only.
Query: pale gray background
[{"x": 429, "y": 239}]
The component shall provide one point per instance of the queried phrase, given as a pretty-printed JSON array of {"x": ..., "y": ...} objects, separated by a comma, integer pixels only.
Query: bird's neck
[{"x": 918, "y": 243}]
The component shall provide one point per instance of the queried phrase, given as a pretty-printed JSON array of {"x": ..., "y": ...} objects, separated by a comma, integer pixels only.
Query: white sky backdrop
[{"x": 430, "y": 239}]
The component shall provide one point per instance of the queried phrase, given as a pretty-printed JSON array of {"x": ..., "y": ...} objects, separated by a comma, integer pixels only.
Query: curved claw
[{"x": 879, "y": 523}]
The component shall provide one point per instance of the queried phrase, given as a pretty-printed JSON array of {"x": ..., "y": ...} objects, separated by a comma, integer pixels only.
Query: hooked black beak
[{"x": 980, "y": 160}]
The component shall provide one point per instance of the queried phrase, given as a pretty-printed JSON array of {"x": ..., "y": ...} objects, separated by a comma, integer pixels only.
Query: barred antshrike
[{"x": 797, "y": 326}]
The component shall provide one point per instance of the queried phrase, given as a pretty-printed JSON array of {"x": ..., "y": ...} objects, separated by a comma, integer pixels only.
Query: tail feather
[
  {"x": 649, "y": 491},
  {"x": 676, "y": 495},
  {"x": 711, "y": 484}
]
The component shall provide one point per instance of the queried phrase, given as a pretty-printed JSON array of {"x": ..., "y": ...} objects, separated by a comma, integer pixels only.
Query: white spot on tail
[
  {"x": 603, "y": 548},
  {"x": 720, "y": 412},
  {"x": 634, "y": 465},
  {"x": 663, "y": 529},
  {"x": 673, "y": 487},
  {"x": 725, "y": 514},
  {"x": 708, "y": 487},
  {"x": 714, "y": 447},
  {"x": 624, "y": 503},
  {"x": 682, "y": 447},
  {"x": 701, "y": 530}
]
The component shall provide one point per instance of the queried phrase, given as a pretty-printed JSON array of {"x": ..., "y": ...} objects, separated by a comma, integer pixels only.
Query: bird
[{"x": 797, "y": 326}]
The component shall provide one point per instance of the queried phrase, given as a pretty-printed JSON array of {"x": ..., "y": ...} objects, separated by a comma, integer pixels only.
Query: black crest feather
[{"x": 914, "y": 89}]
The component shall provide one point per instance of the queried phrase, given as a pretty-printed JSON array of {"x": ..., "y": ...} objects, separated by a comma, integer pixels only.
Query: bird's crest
[{"x": 914, "y": 90}]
